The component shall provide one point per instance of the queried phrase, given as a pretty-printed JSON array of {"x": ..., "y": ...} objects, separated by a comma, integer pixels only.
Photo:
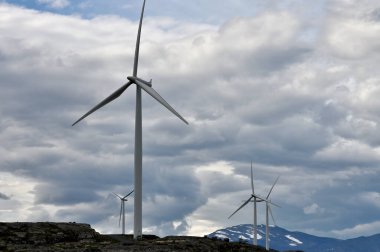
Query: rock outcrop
[
  {"x": 77, "y": 237},
  {"x": 23, "y": 236}
]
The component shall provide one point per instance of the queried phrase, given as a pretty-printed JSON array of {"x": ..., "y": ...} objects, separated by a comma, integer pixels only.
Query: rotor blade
[
  {"x": 117, "y": 195},
  {"x": 271, "y": 214},
  {"x": 121, "y": 210},
  {"x": 245, "y": 203},
  {"x": 274, "y": 204},
  {"x": 161, "y": 100},
  {"x": 128, "y": 194},
  {"x": 270, "y": 191},
  {"x": 253, "y": 188},
  {"x": 136, "y": 61},
  {"x": 110, "y": 98}
]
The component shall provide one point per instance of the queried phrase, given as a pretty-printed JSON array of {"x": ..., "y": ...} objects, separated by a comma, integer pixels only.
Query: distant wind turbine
[
  {"x": 268, "y": 211},
  {"x": 147, "y": 87},
  {"x": 256, "y": 199},
  {"x": 122, "y": 209}
]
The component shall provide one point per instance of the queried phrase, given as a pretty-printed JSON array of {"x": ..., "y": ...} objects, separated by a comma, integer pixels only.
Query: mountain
[{"x": 282, "y": 240}]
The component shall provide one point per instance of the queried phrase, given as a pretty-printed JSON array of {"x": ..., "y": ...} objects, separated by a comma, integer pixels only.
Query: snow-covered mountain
[{"x": 282, "y": 240}]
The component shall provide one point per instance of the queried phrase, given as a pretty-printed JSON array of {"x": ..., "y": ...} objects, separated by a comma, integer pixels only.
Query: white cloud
[
  {"x": 366, "y": 229},
  {"x": 353, "y": 28},
  {"x": 220, "y": 167},
  {"x": 21, "y": 197},
  {"x": 372, "y": 198},
  {"x": 350, "y": 151},
  {"x": 353, "y": 38},
  {"x": 313, "y": 209}
]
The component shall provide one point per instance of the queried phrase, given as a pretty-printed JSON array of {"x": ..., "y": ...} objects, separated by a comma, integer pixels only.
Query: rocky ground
[{"x": 76, "y": 237}]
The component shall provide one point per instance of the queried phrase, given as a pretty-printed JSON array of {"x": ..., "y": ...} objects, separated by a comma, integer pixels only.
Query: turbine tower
[
  {"x": 147, "y": 87},
  {"x": 254, "y": 210},
  {"x": 256, "y": 199},
  {"x": 122, "y": 209},
  {"x": 268, "y": 211}
]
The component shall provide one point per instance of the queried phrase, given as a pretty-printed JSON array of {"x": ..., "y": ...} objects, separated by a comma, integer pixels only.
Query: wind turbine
[
  {"x": 256, "y": 199},
  {"x": 147, "y": 87},
  {"x": 122, "y": 209},
  {"x": 268, "y": 210}
]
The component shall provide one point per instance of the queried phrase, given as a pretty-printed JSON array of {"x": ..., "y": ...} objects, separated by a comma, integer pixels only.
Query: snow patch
[
  {"x": 243, "y": 237},
  {"x": 293, "y": 239},
  {"x": 221, "y": 232},
  {"x": 232, "y": 231},
  {"x": 221, "y": 236},
  {"x": 249, "y": 235}
]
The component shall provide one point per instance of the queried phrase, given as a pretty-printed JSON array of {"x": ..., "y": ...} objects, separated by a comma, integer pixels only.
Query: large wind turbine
[
  {"x": 122, "y": 209},
  {"x": 147, "y": 87},
  {"x": 268, "y": 210},
  {"x": 256, "y": 199}
]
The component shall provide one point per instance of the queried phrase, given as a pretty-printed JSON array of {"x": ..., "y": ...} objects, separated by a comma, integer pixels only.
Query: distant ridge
[{"x": 282, "y": 240}]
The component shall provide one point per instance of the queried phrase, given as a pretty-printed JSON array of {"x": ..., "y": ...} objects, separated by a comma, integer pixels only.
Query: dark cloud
[
  {"x": 4, "y": 196},
  {"x": 254, "y": 88},
  {"x": 59, "y": 195},
  {"x": 86, "y": 214}
]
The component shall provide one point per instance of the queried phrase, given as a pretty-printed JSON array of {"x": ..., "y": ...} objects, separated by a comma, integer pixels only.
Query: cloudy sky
[{"x": 291, "y": 85}]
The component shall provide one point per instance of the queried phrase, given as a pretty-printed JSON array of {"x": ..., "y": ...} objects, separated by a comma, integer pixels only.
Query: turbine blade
[
  {"x": 107, "y": 100},
  {"x": 158, "y": 97},
  {"x": 117, "y": 195},
  {"x": 253, "y": 188},
  {"x": 137, "y": 49},
  {"x": 128, "y": 194},
  {"x": 245, "y": 203},
  {"x": 274, "y": 204},
  {"x": 121, "y": 209},
  {"x": 270, "y": 191},
  {"x": 271, "y": 214}
]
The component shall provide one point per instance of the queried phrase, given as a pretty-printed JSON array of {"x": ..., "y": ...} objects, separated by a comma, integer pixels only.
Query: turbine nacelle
[
  {"x": 134, "y": 79},
  {"x": 257, "y": 197}
]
